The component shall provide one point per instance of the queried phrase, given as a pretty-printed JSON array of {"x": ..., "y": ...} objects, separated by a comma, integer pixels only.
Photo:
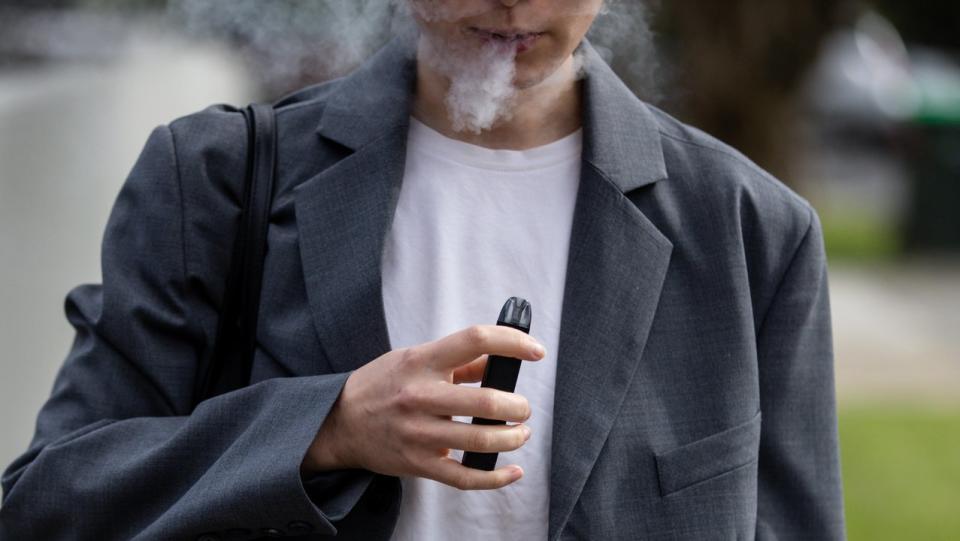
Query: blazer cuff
[
  {"x": 304, "y": 506},
  {"x": 336, "y": 493}
]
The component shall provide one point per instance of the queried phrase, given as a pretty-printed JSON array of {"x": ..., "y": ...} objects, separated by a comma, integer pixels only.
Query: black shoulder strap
[{"x": 232, "y": 358}]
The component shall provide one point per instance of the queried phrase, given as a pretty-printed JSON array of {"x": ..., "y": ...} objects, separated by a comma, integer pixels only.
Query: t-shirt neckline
[{"x": 426, "y": 139}]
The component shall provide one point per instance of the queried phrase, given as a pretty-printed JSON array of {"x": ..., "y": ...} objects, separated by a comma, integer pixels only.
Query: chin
[{"x": 529, "y": 75}]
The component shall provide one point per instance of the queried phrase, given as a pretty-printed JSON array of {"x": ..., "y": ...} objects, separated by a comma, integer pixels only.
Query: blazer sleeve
[
  {"x": 799, "y": 466},
  {"x": 119, "y": 452}
]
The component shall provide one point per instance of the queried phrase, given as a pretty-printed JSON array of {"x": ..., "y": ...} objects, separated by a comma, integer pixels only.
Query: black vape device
[{"x": 500, "y": 373}]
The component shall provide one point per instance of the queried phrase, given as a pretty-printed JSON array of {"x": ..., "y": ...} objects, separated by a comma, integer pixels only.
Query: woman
[{"x": 685, "y": 389}]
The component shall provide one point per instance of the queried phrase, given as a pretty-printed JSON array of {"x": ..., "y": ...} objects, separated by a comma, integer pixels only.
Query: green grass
[
  {"x": 855, "y": 237},
  {"x": 901, "y": 469}
]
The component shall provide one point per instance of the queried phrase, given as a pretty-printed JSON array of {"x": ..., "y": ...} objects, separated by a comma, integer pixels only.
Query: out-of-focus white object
[{"x": 867, "y": 75}]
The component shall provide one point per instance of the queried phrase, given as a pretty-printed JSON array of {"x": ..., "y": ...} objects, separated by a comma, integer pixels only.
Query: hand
[{"x": 393, "y": 415}]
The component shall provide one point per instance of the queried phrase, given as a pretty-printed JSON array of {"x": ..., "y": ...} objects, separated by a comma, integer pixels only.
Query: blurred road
[
  {"x": 69, "y": 135},
  {"x": 897, "y": 332}
]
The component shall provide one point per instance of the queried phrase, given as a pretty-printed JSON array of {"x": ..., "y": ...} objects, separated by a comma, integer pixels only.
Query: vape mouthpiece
[{"x": 516, "y": 313}]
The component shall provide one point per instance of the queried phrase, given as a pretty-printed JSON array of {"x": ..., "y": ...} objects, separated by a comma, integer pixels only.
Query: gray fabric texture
[{"x": 694, "y": 393}]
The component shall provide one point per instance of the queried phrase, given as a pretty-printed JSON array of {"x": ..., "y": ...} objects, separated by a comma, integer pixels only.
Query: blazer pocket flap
[{"x": 708, "y": 457}]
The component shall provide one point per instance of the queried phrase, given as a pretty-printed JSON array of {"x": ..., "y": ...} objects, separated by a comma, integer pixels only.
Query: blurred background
[{"x": 856, "y": 105}]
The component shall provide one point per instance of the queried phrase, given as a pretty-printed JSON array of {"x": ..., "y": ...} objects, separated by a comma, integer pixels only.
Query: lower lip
[
  {"x": 527, "y": 43},
  {"x": 522, "y": 44}
]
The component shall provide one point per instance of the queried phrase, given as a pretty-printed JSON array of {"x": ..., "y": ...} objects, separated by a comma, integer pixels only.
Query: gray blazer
[{"x": 694, "y": 393}]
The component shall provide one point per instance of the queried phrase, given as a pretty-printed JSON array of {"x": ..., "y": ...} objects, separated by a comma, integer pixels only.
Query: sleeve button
[
  {"x": 208, "y": 537},
  {"x": 271, "y": 532},
  {"x": 299, "y": 527}
]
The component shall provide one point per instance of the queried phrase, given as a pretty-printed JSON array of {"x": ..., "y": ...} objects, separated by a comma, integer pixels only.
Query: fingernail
[
  {"x": 526, "y": 432},
  {"x": 516, "y": 473},
  {"x": 538, "y": 349}
]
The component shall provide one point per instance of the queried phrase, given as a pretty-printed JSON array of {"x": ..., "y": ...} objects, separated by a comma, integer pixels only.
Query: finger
[
  {"x": 463, "y": 346},
  {"x": 447, "y": 434},
  {"x": 450, "y": 472},
  {"x": 454, "y": 400},
  {"x": 472, "y": 371}
]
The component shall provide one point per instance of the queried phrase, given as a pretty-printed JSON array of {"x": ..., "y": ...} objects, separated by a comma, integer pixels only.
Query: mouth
[{"x": 519, "y": 39}]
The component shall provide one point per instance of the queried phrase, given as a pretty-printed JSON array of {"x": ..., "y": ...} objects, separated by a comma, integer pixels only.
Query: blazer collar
[
  {"x": 621, "y": 135},
  {"x": 374, "y": 99}
]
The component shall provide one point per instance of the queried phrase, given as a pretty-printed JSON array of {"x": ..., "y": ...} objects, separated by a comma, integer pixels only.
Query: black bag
[{"x": 232, "y": 359}]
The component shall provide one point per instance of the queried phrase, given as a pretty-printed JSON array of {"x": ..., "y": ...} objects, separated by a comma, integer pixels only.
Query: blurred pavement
[
  {"x": 897, "y": 332},
  {"x": 69, "y": 134}
]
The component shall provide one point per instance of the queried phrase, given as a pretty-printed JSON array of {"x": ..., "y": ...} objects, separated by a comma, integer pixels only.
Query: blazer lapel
[
  {"x": 343, "y": 213},
  {"x": 616, "y": 268}
]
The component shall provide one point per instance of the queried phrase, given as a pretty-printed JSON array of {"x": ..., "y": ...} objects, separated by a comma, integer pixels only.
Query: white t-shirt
[{"x": 473, "y": 227}]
